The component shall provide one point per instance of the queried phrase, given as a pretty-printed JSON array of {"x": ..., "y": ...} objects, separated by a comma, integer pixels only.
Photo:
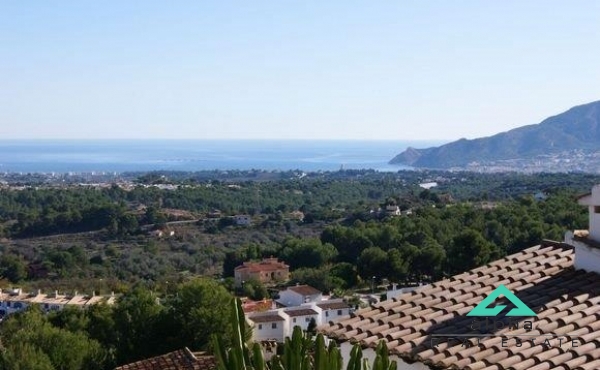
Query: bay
[{"x": 194, "y": 155}]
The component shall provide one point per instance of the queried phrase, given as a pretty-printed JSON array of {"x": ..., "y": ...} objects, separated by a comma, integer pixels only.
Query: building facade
[
  {"x": 299, "y": 295},
  {"x": 15, "y": 300},
  {"x": 269, "y": 270},
  {"x": 276, "y": 325}
]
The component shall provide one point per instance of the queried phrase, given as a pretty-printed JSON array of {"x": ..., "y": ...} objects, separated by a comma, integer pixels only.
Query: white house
[
  {"x": 587, "y": 242},
  {"x": 392, "y": 210},
  {"x": 333, "y": 309},
  {"x": 278, "y": 324},
  {"x": 301, "y": 316},
  {"x": 298, "y": 295},
  {"x": 269, "y": 326},
  {"x": 15, "y": 300},
  {"x": 395, "y": 292}
]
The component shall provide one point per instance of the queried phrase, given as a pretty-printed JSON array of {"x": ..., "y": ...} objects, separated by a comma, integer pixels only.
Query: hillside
[{"x": 571, "y": 137}]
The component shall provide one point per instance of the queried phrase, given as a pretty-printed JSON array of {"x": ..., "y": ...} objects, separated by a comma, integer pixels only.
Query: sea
[{"x": 84, "y": 156}]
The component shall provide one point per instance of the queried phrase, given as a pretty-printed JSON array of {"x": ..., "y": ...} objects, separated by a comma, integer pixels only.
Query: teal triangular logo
[{"x": 482, "y": 308}]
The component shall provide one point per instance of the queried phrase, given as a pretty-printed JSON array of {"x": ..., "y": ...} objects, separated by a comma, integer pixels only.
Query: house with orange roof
[
  {"x": 182, "y": 359},
  {"x": 267, "y": 271}
]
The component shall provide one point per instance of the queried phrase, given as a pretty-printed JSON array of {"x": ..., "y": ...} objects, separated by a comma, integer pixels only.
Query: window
[
  {"x": 596, "y": 209},
  {"x": 259, "y": 326},
  {"x": 339, "y": 312},
  {"x": 274, "y": 325},
  {"x": 326, "y": 313},
  {"x": 307, "y": 319},
  {"x": 294, "y": 319}
]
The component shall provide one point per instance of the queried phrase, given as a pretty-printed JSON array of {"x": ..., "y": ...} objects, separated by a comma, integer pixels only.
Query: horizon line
[{"x": 224, "y": 139}]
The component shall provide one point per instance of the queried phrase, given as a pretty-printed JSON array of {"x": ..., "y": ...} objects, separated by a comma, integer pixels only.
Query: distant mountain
[{"x": 570, "y": 135}]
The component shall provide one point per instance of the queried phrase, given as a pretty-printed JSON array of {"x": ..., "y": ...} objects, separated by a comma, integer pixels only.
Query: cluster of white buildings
[
  {"x": 300, "y": 305},
  {"x": 15, "y": 300}
]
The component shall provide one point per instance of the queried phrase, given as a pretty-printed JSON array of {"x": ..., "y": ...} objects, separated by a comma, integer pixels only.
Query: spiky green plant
[{"x": 300, "y": 352}]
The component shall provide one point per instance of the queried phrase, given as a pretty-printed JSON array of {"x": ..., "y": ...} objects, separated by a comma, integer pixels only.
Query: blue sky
[{"x": 292, "y": 69}]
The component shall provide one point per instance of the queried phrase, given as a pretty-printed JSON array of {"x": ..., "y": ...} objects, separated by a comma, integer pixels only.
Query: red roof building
[{"x": 269, "y": 270}]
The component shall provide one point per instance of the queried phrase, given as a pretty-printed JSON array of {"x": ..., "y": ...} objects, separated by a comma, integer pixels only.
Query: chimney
[{"x": 587, "y": 242}]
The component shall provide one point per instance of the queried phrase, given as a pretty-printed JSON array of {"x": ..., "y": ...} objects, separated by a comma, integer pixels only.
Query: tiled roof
[
  {"x": 333, "y": 305},
  {"x": 257, "y": 306},
  {"x": 304, "y": 290},
  {"x": 17, "y": 295},
  {"x": 182, "y": 359},
  {"x": 266, "y": 318},
  {"x": 301, "y": 312},
  {"x": 566, "y": 301}
]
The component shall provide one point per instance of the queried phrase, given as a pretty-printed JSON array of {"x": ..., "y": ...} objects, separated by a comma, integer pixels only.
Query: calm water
[{"x": 193, "y": 155}]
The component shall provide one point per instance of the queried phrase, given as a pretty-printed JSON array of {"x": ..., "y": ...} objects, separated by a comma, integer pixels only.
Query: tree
[
  {"x": 53, "y": 347},
  {"x": 24, "y": 356},
  {"x": 429, "y": 261},
  {"x": 136, "y": 318},
  {"x": 13, "y": 268},
  {"x": 397, "y": 266},
  {"x": 312, "y": 327},
  {"x": 200, "y": 309},
  {"x": 254, "y": 289},
  {"x": 373, "y": 262},
  {"x": 468, "y": 250},
  {"x": 307, "y": 252},
  {"x": 346, "y": 272},
  {"x": 318, "y": 278}
]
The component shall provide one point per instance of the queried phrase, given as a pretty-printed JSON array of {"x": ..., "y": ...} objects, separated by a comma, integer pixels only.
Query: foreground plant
[{"x": 300, "y": 352}]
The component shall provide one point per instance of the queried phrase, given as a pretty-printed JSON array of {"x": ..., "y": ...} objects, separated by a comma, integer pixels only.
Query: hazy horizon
[{"x": 434, "y": 71}]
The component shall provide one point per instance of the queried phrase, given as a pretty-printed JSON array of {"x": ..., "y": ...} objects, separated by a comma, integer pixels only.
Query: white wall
[
  {"x": 15, "y": 306},
  {"x": 302, "y": 321},
  {"x": 592, "y": 201},
  {"x": 586, "y": 258},
  {"x": 289, "y": 298},
  {"x": 267, "y": 332},
  {"x": 333, "y": 315},
  {"x": 594, "y": 222}
]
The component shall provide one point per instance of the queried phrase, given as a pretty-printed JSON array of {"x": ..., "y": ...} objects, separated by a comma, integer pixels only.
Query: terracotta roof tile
[
  {"x": 266, "y": 318},
  {"x": 301, "y": 312},
  {"x": 182, "y": 359},
  {"x": 567, "y": 303},
  {"x": 333, "y": 305}
]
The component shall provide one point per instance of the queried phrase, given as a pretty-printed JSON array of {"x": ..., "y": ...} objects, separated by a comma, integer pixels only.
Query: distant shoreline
[{"x": 143, "y": 155}]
